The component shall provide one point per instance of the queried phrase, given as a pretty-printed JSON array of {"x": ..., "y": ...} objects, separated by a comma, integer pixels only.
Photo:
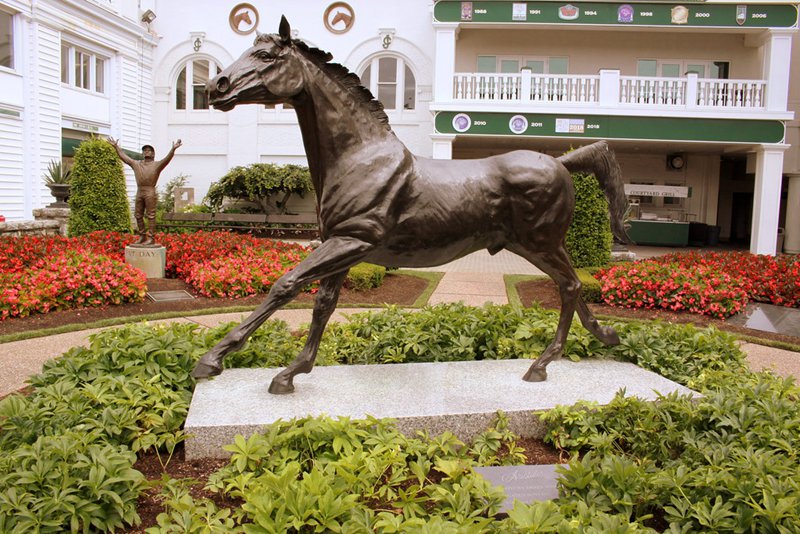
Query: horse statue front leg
[
  {"x": 333, "y": 257},
  {"x": 324, "y": 305}
]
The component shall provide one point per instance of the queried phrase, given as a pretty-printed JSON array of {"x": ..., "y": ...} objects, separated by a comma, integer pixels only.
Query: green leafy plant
[
  {"x": 725, "y": 462},
  {"x": 71, "y": 481},
  {"x": 97, "y": 199},
  {"x": 589, "y": 235},
  {"x": 261, "y": 183},
  {"x": 57, "y": 173}
]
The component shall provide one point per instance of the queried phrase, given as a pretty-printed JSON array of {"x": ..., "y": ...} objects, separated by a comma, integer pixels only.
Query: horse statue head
[{"x": 267, "y": 73}]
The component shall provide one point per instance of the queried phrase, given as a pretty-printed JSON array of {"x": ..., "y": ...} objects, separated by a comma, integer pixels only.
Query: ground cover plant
[
  {"x": 726, "y": 462},
  {"x": 42, "y": 274},
  {"x": 718, "y": 284}
]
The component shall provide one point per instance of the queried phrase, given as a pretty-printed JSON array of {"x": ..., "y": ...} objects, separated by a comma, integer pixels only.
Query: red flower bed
[
  {"x": 246, "y": 273},
  {"x": 650, "y": 284},
  {"x": 69, "y": 279},
  {"x": 714, "y": 283},
  {"x": 41, "y": 274},
  {"x": 771, "y": 279}
]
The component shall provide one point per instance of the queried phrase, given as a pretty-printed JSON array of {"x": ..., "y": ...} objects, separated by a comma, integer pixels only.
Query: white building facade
[
  {"x": 694, "y": 97},
  {"x": 68, "y": 69}
]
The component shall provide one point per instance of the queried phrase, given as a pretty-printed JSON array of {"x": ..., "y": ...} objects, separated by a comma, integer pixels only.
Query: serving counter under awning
[{"x": 659, "y": 233}]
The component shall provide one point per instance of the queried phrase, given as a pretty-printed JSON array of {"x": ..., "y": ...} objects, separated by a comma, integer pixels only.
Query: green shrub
[
  {"x": 97, "y": 198},
  {"x": 68, "y": 482},
  {"x": 591, "y": 288},
  {"x": 589, "y": 237},
  {"x": 260, "y": 182},
  {"x": 365, "y": 276}
]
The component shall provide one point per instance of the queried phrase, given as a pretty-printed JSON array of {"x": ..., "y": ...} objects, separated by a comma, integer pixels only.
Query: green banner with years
[
  {"x": 610, "y": 127},
  {"x": 619, "y": 14}
]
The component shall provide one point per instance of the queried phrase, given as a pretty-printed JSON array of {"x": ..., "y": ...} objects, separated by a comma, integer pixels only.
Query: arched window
[
  {"x": 190, "y": 88},
  {"x": 391, "y": 81}
]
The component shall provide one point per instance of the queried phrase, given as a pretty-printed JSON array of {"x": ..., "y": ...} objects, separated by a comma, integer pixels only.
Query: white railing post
[
  {"x": 691, "y": 90},
  {"x": 609, "y": 88},
  {"x": 525, "y": 85}
]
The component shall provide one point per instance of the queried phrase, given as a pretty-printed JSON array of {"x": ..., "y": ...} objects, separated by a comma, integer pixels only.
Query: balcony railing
[
  {"x": 609, "y": 89},
  {"x": 479, "y": 87}
]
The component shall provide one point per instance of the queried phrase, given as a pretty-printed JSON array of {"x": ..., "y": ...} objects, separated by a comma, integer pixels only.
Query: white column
[
  {"x": 791, "y": 238},
  {"x": 777, "y": 58},
  {"x": 609, "y": 88},
  {"x": 445, "y": 62},
  {"x": 767, "y": 199},
  {"x": 42, "y": 114},
  {"x": 443, "y": 146}
]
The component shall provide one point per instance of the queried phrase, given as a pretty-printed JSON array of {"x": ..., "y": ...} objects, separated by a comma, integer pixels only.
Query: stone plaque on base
[
  {"x": 150, "y": 259},
  {"x": 525, "y": 483}
]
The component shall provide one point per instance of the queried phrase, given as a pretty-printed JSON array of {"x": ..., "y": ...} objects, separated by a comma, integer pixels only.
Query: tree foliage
[
  {"x": 97, "y": 196},
  {"x": 261, "y": 182},
  {"x": 589, "y": 236}
]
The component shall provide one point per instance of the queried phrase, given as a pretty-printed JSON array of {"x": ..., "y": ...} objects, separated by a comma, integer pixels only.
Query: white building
[{"x": 694, "y": 97}]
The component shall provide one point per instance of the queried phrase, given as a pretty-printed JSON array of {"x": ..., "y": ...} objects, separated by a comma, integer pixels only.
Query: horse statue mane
[{"x": 338, "y": 72}]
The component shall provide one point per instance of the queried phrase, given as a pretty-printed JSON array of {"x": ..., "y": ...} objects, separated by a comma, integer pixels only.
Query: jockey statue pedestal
[{"x": 152, "y": 259}]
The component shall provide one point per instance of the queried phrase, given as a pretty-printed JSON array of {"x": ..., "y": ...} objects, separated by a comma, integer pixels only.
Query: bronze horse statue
[{"x": 379, "y": 203}]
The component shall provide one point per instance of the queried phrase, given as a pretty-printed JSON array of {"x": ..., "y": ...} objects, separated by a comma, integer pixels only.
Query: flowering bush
[
  {"x": 71, "y": 279},
  {"x": 711, "y": 283},
  {"x": 772, "y": 279},
  {"x": 243, "y": 274},
  {"x": 651, "y": 284},
  {"x": 41, "y": 274}
]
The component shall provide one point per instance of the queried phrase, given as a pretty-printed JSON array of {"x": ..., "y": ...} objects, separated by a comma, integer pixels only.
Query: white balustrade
[
  {"x": 492, "y": 87},
  {"x": 635, "y": 91},
  {"x": 731, "y": 93}
]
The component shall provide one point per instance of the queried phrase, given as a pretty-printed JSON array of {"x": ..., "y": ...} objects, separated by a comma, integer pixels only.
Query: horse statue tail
[{"x": 598, "y": 159}]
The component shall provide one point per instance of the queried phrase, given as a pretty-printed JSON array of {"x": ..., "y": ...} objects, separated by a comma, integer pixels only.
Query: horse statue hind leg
[{"x": 596, "y": 159}]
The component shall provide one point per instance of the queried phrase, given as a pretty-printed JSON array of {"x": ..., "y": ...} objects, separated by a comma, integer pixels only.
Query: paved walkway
[{"x": 474, "y": 280}]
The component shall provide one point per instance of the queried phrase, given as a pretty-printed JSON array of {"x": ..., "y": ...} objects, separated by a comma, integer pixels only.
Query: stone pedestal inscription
[
  {"x": 151, "y": 260},
  {"x": 525, "y": 483}
]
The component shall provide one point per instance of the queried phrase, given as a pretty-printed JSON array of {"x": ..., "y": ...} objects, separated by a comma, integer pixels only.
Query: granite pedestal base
[
  {"x": 150, "y": 259},
  {"x": 462, "y": 397}
]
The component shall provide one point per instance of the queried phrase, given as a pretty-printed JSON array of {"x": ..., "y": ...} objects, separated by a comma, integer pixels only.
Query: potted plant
[{"x": 57, "y": 180}]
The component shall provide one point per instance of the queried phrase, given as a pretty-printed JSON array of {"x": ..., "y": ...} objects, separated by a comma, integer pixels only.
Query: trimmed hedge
[
  {"x": 589, "y": 237},
  {"x": 365, "y": 276},
  {"x": 97, "y": 197}
]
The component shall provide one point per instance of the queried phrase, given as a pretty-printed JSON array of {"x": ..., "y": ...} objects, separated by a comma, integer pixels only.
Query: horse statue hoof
[
  {"x": 204, "y": 370},
  {"x": 535, "y": 374},
  {"x": 280, "y": 386}
]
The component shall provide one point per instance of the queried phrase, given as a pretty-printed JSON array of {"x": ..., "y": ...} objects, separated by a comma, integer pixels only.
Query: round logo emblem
[
  {"x": 461, "y": 122},
  {"x": 518, "y": 124},
  {"x": 339, "y": 17},
  {"x": 243, "y": 19}
]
